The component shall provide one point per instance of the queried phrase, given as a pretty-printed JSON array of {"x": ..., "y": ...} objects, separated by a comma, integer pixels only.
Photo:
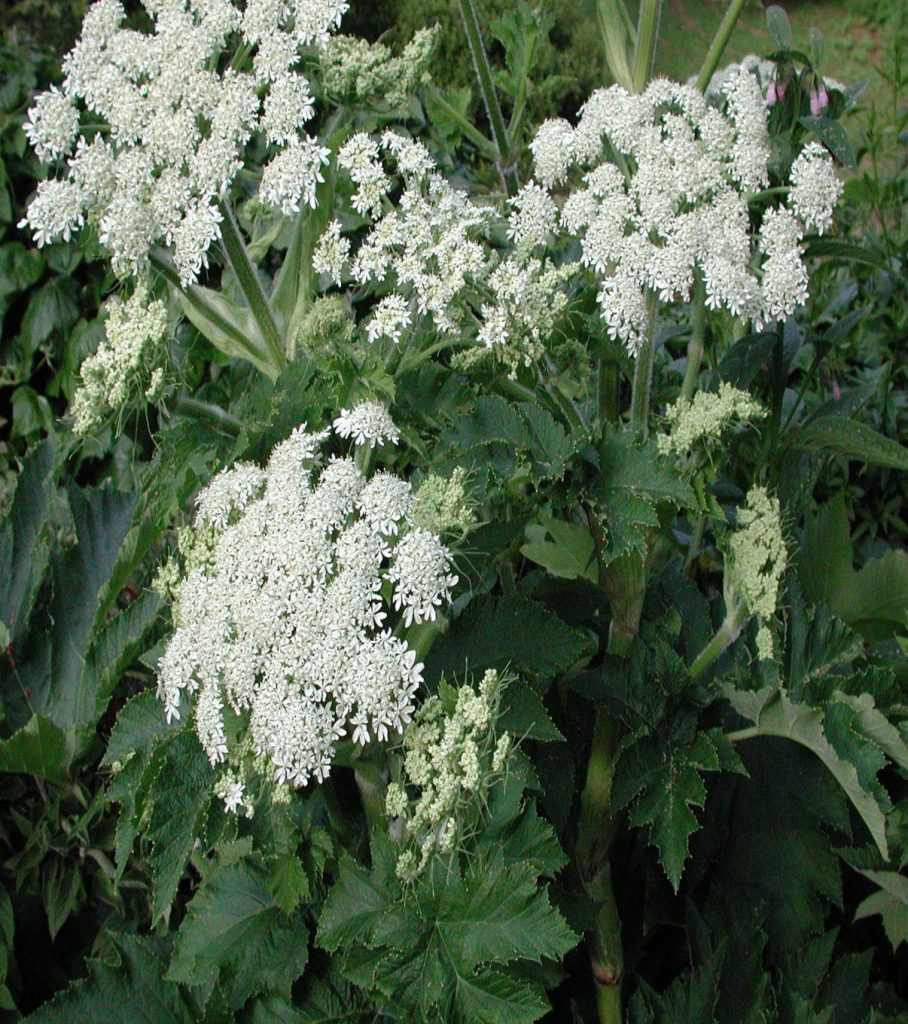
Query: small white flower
[
  {"x": 367, "y": 423},
  {"x": 389, "y": 319},
  {"x": 331, "y": 253}
]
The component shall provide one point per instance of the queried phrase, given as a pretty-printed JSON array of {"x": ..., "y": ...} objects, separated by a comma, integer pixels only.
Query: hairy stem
[
  {"x": 695, "y": 345},
  {"x": 744, "y": 734},
  {"x": 249, "y": 282},
  {"x": 717, "y": 47},
  {"x": 647, "y": 35},
  {"x": 607, "y": 390},
  {"x": 211, "y": 413},
  {"x": 725, "y": 636},
  {"x": 470, "y": 131},
  {"x": 643, "y": 371},
  {"x": 506, "y": 167},
  {"x": 595, "y": 829}
]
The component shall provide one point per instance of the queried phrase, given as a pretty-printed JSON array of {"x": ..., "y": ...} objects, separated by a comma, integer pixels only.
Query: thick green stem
[
  {"x": 725, "y": 636},
  {"x": 470, "y": 131},
  {"x": 249, "y": 282},
  {"x": 210, "y": 413},
  {"x": 647, "y": 34},
  {"x": 607, "y": 390},
  {"x": 506, "y": 167},
  {"x": 595, "y": 829},
  {"x": 744, "y": 734},
  {"x": 717, "y": 47},
  {"x": 643, "y": 370},
  {"x": 695, "y": 345}
]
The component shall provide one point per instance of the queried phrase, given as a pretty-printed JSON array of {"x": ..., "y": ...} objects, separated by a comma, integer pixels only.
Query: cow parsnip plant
[{"x": 475, "y": 634}]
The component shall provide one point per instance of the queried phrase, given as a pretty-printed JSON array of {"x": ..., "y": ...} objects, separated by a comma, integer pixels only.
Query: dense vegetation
[{"x": 454, "y": 568}]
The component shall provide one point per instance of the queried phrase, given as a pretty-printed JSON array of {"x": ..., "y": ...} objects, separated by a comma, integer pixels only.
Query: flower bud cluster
[
  {"x": 441, "y": 504},
  {"x": 126, "y": 362},
  {"x": 359, "y": 71},
  {"x": 177, "y": 116},
  {"x": 755, "y": 562},
  {"x": 283, "y": 634},
  {"x": 703, "y": 419},
  {"x": 452, "y": 754},
  {"x": 666, "y": 179}
]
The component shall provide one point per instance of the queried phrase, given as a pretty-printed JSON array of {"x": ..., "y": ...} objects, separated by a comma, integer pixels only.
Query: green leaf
[
  {"x": 524, "y": 715},
  {"x": 288, "y": 882},
  {"x": 493, "y": 998},
  {"x": 663, "y": 783},
  {"x": 508, "y": 631},
  {"x": 498, "y": 916},
  {"x": 118, "y": 644},
  {"x": 833, "y": 136},
  {"x": 873, "y": 600},
  {"x": 53, "y": 307},
  {"x": 570, "y": 554},
  {"x": 139, "y": 725},
  {"x": 65, "y": 692},
  {"x": 23, "y": 549},
  {"x": 39, "y": 748},
  {"x": 234, "y": 930},
  {"x": 773, "y": 843},
  {"x": 779, "y": 26},
  {"x": 774, "y": 714},
  {"x": 891, "y": 903},
  {"x": 179, "y": 793},
  {"x": 844, "y": 252},
  {"x": 633, "y": 480},
  {"x": 851, "y": 439},
  {"x": 134, "y": 991}
]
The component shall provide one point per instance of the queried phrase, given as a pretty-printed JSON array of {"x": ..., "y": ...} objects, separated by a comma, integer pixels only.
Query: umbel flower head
[
  {"x": 175, "y": 117},
  {"x": 666, "y": 179},
  {"x": 283, "y": 633},
  {"x": 702, "y": 420},
  {"x": 431, "y": 250}
]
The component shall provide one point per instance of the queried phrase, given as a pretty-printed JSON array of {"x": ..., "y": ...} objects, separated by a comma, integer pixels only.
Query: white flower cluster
[
  {"x": 664, "y": 198},
  {"x": 178, "y": 115},
  {"x": 452, "y": 753},
  {"x": 756, "y": 561},
  {"x": 282, "y": 633},
  {"x": 432, "y": 247},
  {"x": 703, "y": 419},
  {"x": 126, "y": 363},
  {"x": 426, "y": 245}
]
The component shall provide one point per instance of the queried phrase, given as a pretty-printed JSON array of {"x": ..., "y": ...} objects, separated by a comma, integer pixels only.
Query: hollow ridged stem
[
  {"x": 211, "y": 413},
  {"x": 725, "y": 636},
  {"x": 643, "y": 371},
  {"x": 594, "y": 834},
  {"x": 720, "y": 41},
  {"x": 489, "y": 95},
  {"x": 695, "y": 345},
  {"x": 251, "y": 286}
]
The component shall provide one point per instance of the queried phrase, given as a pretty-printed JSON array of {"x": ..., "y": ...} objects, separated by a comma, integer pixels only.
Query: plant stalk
[
  {"x": 643, "y": 371},
  {"x": 607, "y": 390},
  {"x": 484, "y": 145},
  {"x": 696, "y": 343},
  {"x": 725, "y": 636},
  {"x": 211, "y": 413},
  {"x": 595, "y": 829},
  {"x": 720, "y": 41},
  {"x": 506, "y": 167},
  {"x": 251, "y": 286},
  {"x": 647, "y": 35}
]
